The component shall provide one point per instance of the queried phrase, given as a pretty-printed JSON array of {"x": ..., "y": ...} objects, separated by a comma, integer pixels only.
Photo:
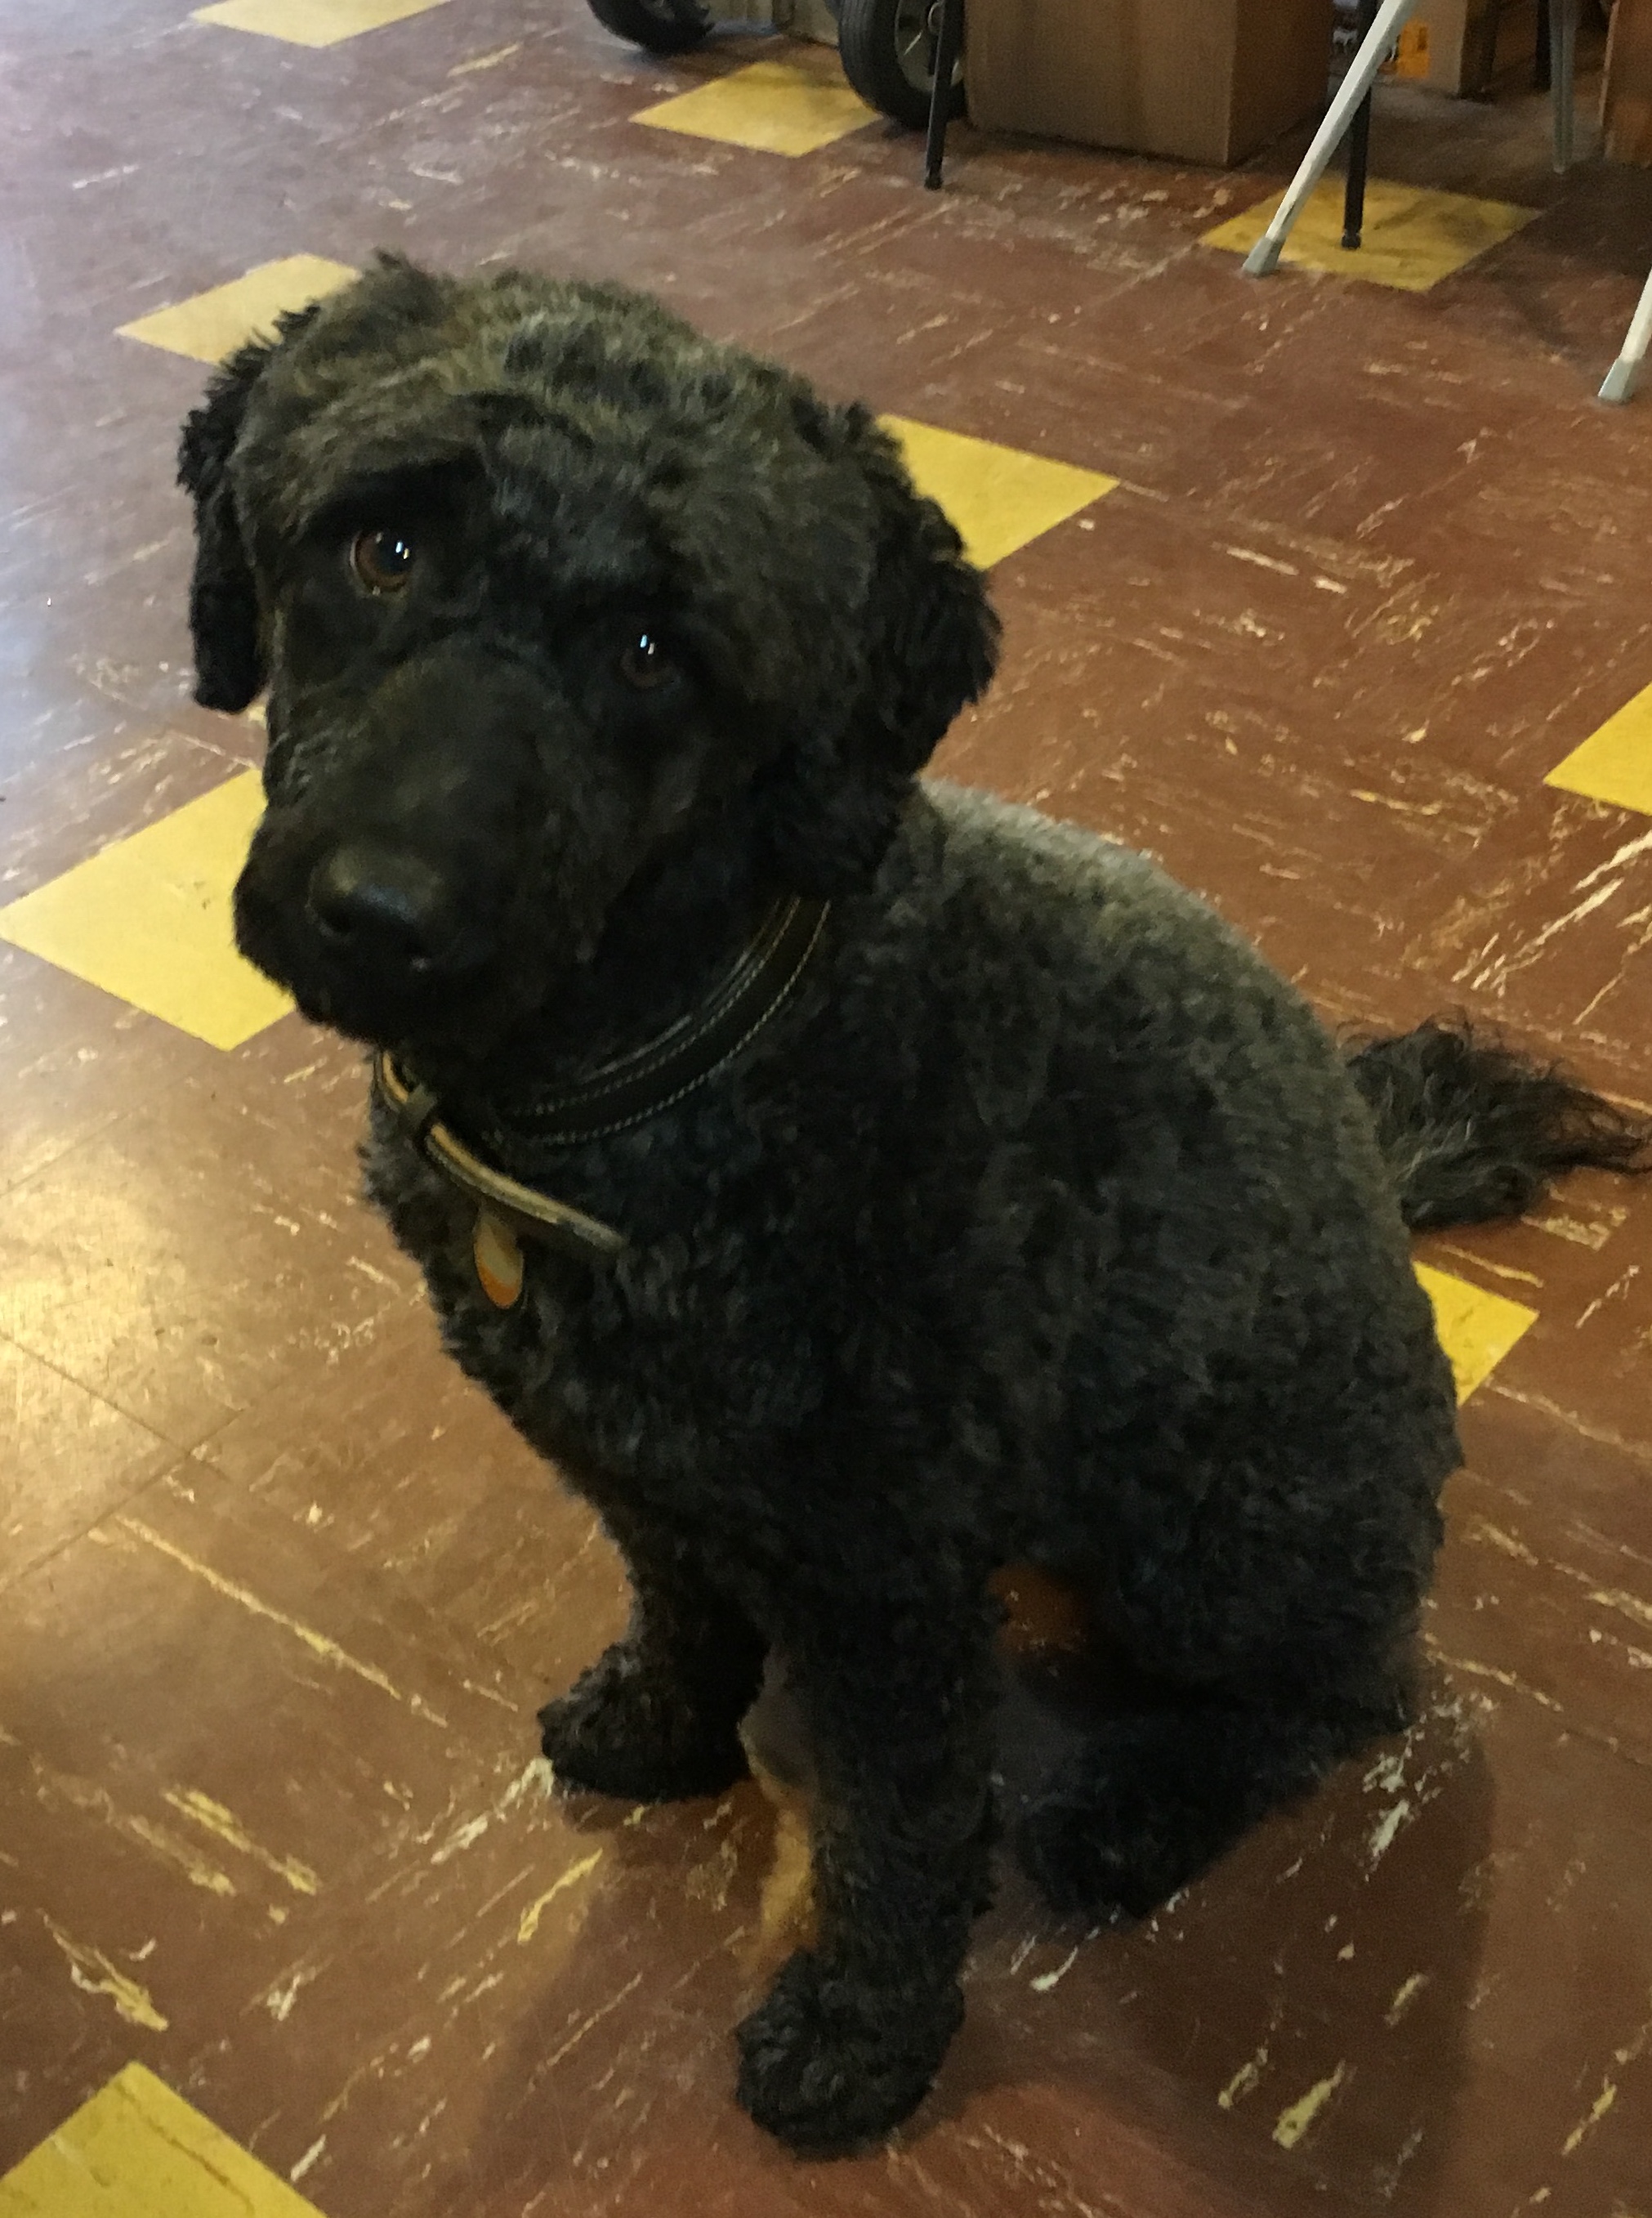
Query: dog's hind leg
[
  {"x": 656, "y": 1718},
  {"x": 1269, "y": 1621},
  {"x": 1154, "y": 1797}
]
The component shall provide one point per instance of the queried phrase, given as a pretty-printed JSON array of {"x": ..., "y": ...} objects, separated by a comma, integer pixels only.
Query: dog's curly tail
[{"x": 1472, "y": 1128}]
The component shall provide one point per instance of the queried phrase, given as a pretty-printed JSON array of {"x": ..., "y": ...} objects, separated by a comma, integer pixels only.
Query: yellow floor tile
[
  {"x": 998, "y": 498},
  {"x": 137, "y": 2150},
  {"x": 1476, "y": 1329},
  {"x": 312, "y": 23},
  {"x": 1614, "y": 765},
  {"x": 214, "y": 324},
  {"x": 148, "y": 920},
  {"x": 778, "y": 108},
  {"x": 1412, "y": 237}
]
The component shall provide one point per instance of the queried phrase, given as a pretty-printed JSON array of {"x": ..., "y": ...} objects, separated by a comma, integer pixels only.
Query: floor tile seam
[
  {"x": 135, "y": 1105},
  {"x": 176, "y": 1458},
  {"x": 179, "y": 1449},
  {"x": 11, "y": 1186},
  {"x": 1637, "y": 1451},
  {"x": 1202, "y": 511},
  {"x": 11, "y": 1582},
  {"x": 198, "y": 746},
  {"x": 1476, "y": 1669},
  {"x": 47, "y": 1363}
]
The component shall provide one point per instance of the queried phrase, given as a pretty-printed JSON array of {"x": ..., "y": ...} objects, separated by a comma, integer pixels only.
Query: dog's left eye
[
  {"x": 383, "y": 560},
  {"x": 645, "y": 664}
]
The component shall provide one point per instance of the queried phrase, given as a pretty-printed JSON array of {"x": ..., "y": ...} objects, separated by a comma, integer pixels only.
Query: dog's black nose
[{"x": 392, "y": 909}]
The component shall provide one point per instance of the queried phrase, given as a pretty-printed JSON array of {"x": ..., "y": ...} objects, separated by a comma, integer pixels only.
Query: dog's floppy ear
[
  {"x": 933, "y": 637},
  {"x": 930, "y": 645},
  {"x": 223, "y": 599}
]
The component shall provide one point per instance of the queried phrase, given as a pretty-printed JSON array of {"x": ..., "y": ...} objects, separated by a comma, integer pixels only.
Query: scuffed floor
[{"x": 1333, "y": 593}]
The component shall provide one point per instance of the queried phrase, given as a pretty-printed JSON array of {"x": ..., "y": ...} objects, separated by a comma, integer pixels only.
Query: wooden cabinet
[{"x": 1627, "y": 99}]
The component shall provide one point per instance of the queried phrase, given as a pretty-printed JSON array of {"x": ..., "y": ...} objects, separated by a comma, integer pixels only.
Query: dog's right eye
[
  {"x": 644, "y": 665},
  {"x": 383, "y": 560}
]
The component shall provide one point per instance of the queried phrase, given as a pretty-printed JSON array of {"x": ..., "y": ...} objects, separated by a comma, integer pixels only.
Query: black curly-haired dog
[{"x": 855, "y": 1186}]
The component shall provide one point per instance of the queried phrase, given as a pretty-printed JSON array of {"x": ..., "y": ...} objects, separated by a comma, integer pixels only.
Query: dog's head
[{"x": 547, "y": 590}]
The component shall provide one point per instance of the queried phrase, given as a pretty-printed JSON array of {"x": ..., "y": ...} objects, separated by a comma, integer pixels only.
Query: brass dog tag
[{"x": 499, "y": 1260}]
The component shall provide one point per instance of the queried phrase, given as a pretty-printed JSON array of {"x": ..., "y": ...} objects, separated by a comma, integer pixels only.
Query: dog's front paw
[
  {"x": 624, "y": 1730},
  {"x": 828, "y": 2065}
]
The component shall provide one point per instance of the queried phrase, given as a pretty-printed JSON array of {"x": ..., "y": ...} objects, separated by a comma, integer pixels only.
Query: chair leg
[
  {"x": 947, "y": 44},
  {"x": 1563, "y": 73},
  {"x": 1486, "y": 68},
  {"x": 1542, "y": 69},
  {"x": 1624, "y": 374},
  {"x": 1360, "y": 145},
  {"x": 1362, "y": 75}
]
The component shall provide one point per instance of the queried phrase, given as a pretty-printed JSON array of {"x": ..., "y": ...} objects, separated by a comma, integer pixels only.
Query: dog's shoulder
[{"x": 1017, "y": 961}]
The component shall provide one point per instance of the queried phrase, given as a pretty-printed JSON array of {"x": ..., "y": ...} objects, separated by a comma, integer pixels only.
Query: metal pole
[
  {"x": 947, "y": 44},
  {"x": 1562, "y": 71},
  {"x": 1491, "y": 24},
  {"x": 1360, "y": 146},
  {"x": 1362, "y": 75}
]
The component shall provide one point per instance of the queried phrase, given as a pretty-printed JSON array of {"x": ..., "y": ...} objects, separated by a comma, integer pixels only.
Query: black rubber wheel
[
  {"x": 664, "y": 27},
  {"x": 888, "y": 49}
]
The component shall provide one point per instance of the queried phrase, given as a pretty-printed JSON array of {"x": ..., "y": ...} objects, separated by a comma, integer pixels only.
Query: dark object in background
[
  {"x": 1196, "y": 80},
  {"x": 664, "y": 27},
  {"x": 888, "y": 49},
  {"x": 1359, "y": 141}
]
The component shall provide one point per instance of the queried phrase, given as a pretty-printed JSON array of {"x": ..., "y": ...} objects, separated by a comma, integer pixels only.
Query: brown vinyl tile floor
[{"x": 279, "y": 1594}]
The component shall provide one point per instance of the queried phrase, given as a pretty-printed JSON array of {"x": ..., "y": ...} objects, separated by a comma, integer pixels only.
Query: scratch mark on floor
[
  {"x": 1384, "y": 1832},
  {"x": 1293, "y": 2123},
  {"x": 1405, "y": 1995},
  {"x": 1246, "y": 2080},
  {"x": 213, "y": 1818},
  {"x": 279, "y": 2000},
  {"x": 1603, "y": 2101},
  {"x": 463, "y": 1837},
  {"x": 1614, "y": 1293},
  {"x": 1046, "y": 1980},
  {"x": 585, "y": 2024},
  {"x": 1495, "y": 976},
  {"x": 93, "y": 1973},
  {"x": 527, "y": 1924},
  {"x": 1627, "y": 1605},
  {"x": 1480, "y": 1528},
  {"x": 1629, "y": 852},
  {"x": 316, "y": 1642},
  {"x": 1497, "y": 1270},
  {"x": 486, "y": 61},
  {"x": 1515, "y": 1686},
  {"x": 95, "y": 1801},
  {"x": 1581, "y": 1234}
]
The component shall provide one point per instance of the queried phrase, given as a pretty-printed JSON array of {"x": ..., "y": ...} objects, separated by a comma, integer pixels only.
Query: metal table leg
[
  {"x": 1486, "y": 68},
  {"x": 1359, "y": 143},
  {"x": 1362, "y": 75},
  {"x": 949, "y": 45},
  {"x": 1563, "y": 75}
]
